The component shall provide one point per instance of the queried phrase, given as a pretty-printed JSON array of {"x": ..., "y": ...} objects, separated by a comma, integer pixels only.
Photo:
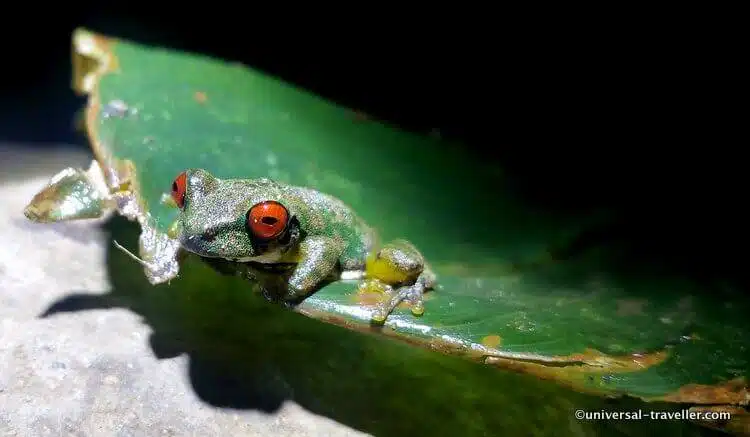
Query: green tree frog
[{"x": 263, "y": 221}]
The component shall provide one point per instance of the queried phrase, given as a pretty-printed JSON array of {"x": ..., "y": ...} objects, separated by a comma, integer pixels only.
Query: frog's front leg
[
  {"x": 402, "y": 269},
  {"x": 317, "y": 259}
]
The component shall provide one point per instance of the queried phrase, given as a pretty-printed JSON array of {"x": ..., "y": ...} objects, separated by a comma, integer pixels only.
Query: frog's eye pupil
[
  {"x": 178, "y": 189},
  {"x": 267, "y": 220}
]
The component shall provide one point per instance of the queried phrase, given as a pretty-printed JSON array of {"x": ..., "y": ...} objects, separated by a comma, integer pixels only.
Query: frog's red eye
[
  {"x": 267, "y": 220},
  {"x": 178, "y": 189}
]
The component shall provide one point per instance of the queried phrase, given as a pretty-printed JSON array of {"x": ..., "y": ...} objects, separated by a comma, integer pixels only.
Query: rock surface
[{"x": 92, "y": 373}]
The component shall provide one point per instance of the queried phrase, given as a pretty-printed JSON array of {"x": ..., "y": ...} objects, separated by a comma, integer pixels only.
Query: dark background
[{"x": 611, "y": 114}]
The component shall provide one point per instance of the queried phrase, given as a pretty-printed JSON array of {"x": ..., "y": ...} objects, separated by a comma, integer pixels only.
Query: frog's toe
[
  {"x": 378, "y": 317},
  {"x": 417, "y": 306},
  {"x": 409, "y": 293},
  {"x": 414, "y": 296}
]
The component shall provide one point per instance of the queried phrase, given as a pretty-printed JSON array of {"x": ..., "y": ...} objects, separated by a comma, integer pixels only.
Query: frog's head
[{"x": 231, "y": 219}]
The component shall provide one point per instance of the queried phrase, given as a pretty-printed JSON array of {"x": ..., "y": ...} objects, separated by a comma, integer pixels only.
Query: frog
[
  {"x": 262, "y": 221},
  {"x": 245, "y": 221}
]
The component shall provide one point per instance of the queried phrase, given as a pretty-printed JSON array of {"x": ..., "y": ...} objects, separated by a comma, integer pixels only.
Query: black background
[{"x": 581, "y": 114}]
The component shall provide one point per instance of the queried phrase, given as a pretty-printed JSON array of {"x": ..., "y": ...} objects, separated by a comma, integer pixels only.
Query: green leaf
[{"x": 504, "y": 300}]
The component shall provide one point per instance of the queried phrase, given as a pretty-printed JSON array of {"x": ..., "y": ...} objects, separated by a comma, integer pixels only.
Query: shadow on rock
[{"x": 247, "y": 353}]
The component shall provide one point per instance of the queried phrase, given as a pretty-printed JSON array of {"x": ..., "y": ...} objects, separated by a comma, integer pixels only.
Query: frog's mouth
[
  {"x": 268, "y": 258},
  {"x": 277, "y": 268},
  {"x": 272, "y": 255}
]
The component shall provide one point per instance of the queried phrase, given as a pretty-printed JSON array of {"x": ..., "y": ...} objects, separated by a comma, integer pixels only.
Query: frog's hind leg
[
  {"x": 400, "y": 271},
  {"x": 72, "y": 194}
]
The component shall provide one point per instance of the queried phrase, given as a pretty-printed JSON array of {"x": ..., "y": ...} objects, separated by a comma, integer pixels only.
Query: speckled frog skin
[{"x": 262, "y": 221}]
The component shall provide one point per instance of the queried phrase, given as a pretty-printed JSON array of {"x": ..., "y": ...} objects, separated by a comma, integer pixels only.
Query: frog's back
[{"x": 322, "y": 214}]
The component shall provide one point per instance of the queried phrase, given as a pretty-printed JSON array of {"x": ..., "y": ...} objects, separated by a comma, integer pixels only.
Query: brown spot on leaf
[
  {"x": 492, "y": 341},
  {"x": 200, "y": 97},
  {"x": 630, "y": 307},
  {"x": 732, "y": 392}
]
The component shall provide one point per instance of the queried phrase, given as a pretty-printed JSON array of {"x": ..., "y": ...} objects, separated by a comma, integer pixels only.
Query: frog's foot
[
  {"x": 405, "y": 276},
  {"x": 160, "y": 255},
  {"x": 158, "y": 270},
  {"x": 412, "y": 294}
]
